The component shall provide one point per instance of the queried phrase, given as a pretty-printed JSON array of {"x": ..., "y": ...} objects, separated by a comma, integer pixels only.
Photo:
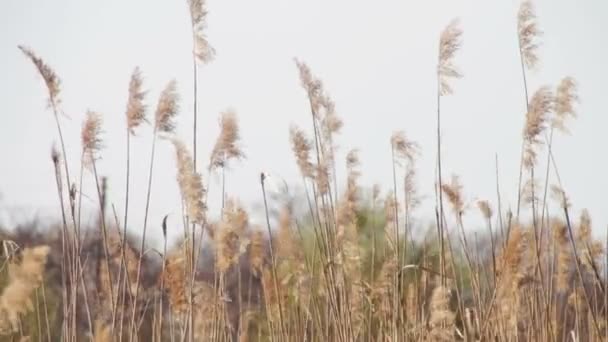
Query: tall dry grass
[{"x": 347, "y": 268}]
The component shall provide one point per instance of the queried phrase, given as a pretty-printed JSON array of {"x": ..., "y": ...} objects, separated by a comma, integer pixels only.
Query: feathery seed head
[
  {"x": 231, "y": 236},
  {"x": 227, "y": 144},
  {"x": 91, "y": 134},
  {"x": 203, "y": 51},
  {"x": 24, "y": 278},
  {"x": 136, "y": 110},
  {"x": 312, "y": 85},
  {"x": 50, "y": 77},
  {"x": 539, "y": 108},
  {"x": 412, "y": 198},
  {"x": 403, "y": 148},
  {"x": 301, "y": 147},
  {"x": 565, "y": 97},
  {"x": 453, "y": 191},
  {"x": 449, "y": 43},
  {"x": 528, "y": 33},
  {"x": 190, "y": 184},
  {"x": 167, "y": 108}
]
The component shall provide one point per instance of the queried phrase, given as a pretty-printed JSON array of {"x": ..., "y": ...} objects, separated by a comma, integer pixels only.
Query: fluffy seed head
[
  {"x": 24, "y": 278},
  {"x": 412, "y": 198},
  {"x": 539, "y": 108},
  {"x": 565, "y": 97},
  {"x": 528, "y": 33},
  {"x": 167, "y": 108},
  {"x": 312, "y": 85},
  {"x": 453, "y": 191},
  {"x": 301, "y": 147},
  {"x": 190, "y": 184},
  {"x": 136, "y": 110},
  {"x": 91, "y": 134},
  {"x": 403, "y": 148},
  {"x": 227, "y": 144},
  {"x": 50, "y": 77},
  {"x": 230, "y": 239},
  {"x": 449, "y": 43},
  {"x": 203, "y": 51}
]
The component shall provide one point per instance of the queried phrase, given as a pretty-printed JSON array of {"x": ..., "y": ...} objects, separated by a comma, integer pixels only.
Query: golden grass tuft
[
  {"x": 566, "y": 96},
  {"x": 24, "y": 279},
  {"x": 203, "y": 51},
  {"x": 167, "y": 109},
  {"x": 537, "y": 118},
  {"x": 231, "y": 240},
  {"x": 52, "y": 81},
  {"x": 404, "y": 148},
  {"x": 528, "y": 33},
  {"x": 227, "y": 144},
  {"x": 449, "y": 43},
  {"x": 136, "y": 109},
  {"x": 91, "y": 135},
  {"x": 301, "y": 147},
  {"x": 190, "y": 184},
  {"x": 453, "y": 192}
]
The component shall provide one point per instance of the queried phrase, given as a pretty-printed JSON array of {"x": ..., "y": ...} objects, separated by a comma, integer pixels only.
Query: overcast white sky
[{"x": 376, "y": 59}]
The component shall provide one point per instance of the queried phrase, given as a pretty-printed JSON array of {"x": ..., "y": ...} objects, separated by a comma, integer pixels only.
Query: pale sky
[{"x": 377, "y": 60}]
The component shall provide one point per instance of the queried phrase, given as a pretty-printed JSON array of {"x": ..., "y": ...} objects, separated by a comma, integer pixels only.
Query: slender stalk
[
  {"x": 103, "y": 229},
  {"x": 440, "y": 185},
  {"x": 272, "y": 256},
  {"x": 143, "y": 237},
  {"x": 521, "y": 162}
]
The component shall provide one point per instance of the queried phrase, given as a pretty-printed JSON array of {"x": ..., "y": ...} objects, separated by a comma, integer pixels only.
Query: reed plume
[
  {"x": 404, "y": 149},
  {"x": 227, "y": 144},
  {"x": 449, "y": 43},
  {"x": 453, "y": 191},
  {"x": 231, "y": 240},
  {"x": 190, "y": 184},
  {"x": 301, "y": 147},
  {"x": 24, "y": 279},
  {"x": 565, "y": 97},
  {"x": 167, "y": 108},
  {"x": 91, "y": 135},
  {"x": 528, "y": 33},
  {"x": 136, "y": 109},
  {"x": 312, "y": 85},
  {"x": 203, "y": 51},
  {"x": 52, "y": 81},
  {"x": 539, "y": 108}
]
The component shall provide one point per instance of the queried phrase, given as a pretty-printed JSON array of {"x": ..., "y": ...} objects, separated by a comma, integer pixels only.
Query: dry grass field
[{"x": 347, "y": 268}]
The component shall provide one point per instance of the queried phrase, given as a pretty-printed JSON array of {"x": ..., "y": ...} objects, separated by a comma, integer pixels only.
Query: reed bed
[{"x": 347, "y": 268}]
